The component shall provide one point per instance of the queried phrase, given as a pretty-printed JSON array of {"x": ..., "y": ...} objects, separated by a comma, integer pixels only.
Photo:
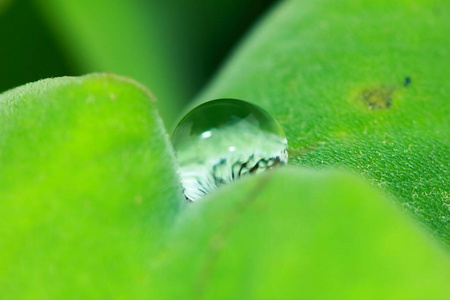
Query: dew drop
[{"x": 222, "y": 140}]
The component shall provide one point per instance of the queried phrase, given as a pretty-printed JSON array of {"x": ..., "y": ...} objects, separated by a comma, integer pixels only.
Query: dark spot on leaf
[
  {"x": 407, "y": 81},
  {"x": 377, "y": 98}
]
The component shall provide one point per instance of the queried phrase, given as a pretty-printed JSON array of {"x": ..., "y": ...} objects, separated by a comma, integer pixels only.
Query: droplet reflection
[{"x": 222, "y": 140}]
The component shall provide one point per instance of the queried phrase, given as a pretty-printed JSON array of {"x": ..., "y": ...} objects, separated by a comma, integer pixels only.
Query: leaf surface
[
  {"x": 301, "y": 234},
  {"x": 360, "y": 85},
  {"x": 87, "y": 188}
]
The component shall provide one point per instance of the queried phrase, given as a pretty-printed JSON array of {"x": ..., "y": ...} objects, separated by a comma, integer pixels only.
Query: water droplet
[{"x": 222, "y": 140}]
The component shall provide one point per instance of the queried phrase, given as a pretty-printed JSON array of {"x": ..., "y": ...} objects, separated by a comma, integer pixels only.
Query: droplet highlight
[{"x": 222, "y": 140}]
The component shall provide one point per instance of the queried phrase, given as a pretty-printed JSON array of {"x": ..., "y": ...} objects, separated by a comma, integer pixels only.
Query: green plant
[{"x": 92, "y": 206}]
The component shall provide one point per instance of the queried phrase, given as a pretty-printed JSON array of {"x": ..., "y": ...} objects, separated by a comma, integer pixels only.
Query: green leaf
[
  {"x": 172, "y": 47},
  {"x": 87, "y": 188},
  {"x": 300, "y": 234},
  {"x": 360, "y": 85},
  {"x": 118, "y": 36}
]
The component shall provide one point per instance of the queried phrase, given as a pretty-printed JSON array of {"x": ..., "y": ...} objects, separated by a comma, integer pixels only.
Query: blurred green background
[{"x": 171, "y": 47}]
